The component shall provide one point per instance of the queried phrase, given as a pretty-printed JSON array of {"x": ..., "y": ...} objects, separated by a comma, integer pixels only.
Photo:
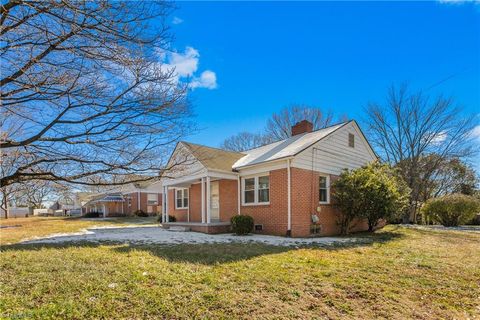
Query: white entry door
[{"x": 214, "y": 201}]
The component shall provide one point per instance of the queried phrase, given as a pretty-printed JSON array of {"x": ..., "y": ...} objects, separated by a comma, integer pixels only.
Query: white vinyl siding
[
  {"x": 256, "y": 190},
  {"x": 332, "y": 154}
]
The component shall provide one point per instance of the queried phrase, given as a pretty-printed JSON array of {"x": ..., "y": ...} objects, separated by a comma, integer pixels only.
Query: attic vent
[{"x": 351, "y": 140}]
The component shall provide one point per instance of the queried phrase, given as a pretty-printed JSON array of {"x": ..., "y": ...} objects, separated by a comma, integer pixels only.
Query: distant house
[
  {"x": 284, "y": 186},
  {"x": 125, "y": 200}
]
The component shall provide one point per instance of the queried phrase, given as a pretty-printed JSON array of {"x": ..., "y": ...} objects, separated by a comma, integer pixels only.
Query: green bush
[
  {"x": 170, "y": 218},
  {"x": 451, "y": 210},
  {"x": 140, "y": 213},
  {"x": 374, "y": 192},
  {"x": 242, "y": 224},
  {"x": 93, "y": 214}
]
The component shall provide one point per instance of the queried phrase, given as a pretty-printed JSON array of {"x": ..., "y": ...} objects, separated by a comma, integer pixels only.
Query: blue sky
[{"x": 251, "y": 59}]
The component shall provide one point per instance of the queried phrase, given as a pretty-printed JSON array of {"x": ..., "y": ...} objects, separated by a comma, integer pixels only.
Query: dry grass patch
[
  {"x": 399, "y": 274},
  {"x": 25, "y": 228}
]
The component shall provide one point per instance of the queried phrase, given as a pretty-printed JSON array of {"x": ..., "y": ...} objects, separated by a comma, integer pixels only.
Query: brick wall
[
  {"x": 180, "y": 214},
  {"x": 133, "y": 201},
  {"x": 274, "y": 215},
  {"x": 305, "y": 201},
  {"x": 228, "y": 199}
]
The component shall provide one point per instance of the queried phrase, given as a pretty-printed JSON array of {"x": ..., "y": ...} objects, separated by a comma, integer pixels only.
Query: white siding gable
[
  {"x": 332, "y": 154},
  {"x": 183, "y": 163}
]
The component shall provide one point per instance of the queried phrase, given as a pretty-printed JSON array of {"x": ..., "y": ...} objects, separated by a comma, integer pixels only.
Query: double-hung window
[
  {"x": 256, "y": 190},
  {"x": 181, "y": 198},
  {"x": 152, "y": 199},
  {"x": 323, "y": 187}
]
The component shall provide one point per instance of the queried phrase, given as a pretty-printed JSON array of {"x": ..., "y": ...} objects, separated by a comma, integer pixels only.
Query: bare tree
[
  {"x": 279, "y": 127},
  {"x": 410, "y": 126},
  {"x": 83, "y": 93},
  {"x": 280, "y": 124},
  {"x": 245, "y": 141}
]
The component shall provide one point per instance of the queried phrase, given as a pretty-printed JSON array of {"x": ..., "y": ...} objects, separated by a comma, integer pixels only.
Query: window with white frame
[
  {"x": 181, "y": 198},
  {"x": 324, "y": 189},
  {"x": 152, "y": 199},
  {"x": 256, "y": 190}
]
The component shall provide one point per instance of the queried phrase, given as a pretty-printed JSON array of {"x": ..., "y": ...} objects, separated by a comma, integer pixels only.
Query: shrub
[
  {"x": 451, "y": 210},
  {"x": 92, "y": 214},
  {"x": 242, "y": 224},
  {"x": 170, "y": 218},
  {"x": 373, "y": 192},
  {"x": 140, "y": 213}
]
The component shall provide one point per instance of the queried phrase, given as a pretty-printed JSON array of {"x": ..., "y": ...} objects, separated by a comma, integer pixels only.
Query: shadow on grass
[{"x": 211, "y": 254}]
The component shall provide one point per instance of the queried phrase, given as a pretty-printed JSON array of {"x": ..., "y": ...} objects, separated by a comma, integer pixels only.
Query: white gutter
[{"x": 289, "y": 199}]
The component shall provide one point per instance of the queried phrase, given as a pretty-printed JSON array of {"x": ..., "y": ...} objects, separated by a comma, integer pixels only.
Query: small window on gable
[{"x": 351, "y": 140}]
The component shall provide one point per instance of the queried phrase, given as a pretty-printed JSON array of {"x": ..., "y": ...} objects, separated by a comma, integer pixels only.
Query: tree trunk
[{"x": 5, "y": 203}]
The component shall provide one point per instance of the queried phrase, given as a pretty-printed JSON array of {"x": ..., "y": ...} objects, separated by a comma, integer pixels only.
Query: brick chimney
[{"x": 302, "y": 127}]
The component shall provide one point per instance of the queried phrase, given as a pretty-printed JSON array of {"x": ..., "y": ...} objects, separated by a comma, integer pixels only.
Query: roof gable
[{"x": 214, "y": 158}]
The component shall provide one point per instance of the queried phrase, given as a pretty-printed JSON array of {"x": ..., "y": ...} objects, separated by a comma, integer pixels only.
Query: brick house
[
  {"x": 284, "y": 186},
  {"x": 125, "y": 200}
]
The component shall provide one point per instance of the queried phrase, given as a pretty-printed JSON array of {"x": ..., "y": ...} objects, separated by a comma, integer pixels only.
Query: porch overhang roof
[
  {"x": 189, "y": 179},
  {"x": 108, "y": 198}
]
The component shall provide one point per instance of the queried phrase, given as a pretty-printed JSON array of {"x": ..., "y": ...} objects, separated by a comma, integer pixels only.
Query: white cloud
[
  {"x": 459, "y": 1},
  {"x": 185, "y": 65},
  {"x": 177, "y": 20},
  {"x": 208, "y": 79},
  {"x": 476, "y": 133},
  {"x": 439, "y": 138}
]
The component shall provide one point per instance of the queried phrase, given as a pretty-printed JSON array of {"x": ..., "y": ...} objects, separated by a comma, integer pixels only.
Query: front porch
[
  {"x": 204, "y": 202},
  {"x": 107, "y": 205}
]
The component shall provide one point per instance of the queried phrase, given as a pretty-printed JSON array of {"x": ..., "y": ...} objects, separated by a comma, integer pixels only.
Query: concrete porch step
[{"x": 179, "y": 229}]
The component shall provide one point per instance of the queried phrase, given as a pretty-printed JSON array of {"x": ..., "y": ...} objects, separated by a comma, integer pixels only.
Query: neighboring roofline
[{"x": 290, "y": 156}]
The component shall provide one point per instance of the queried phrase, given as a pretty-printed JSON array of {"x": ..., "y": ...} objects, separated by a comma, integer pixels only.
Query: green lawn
[{"x": 399, "y": 274}]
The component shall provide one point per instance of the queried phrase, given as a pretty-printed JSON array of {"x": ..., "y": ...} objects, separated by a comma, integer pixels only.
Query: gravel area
[{"x": 157, "y": 235}]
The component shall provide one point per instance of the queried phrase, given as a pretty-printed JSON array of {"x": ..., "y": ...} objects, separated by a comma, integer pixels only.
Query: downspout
[
  {"x": 289, "y": 200},
  {"x": 238, "y": 194},
  {"x": 188, "y": 209}
]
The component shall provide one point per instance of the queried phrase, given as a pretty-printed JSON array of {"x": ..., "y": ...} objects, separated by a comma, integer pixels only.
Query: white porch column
[
  {"x": 208, "y": 199},
  {"x": 104, "y": 211},
  {"x": 163, "y": 204},
  {"x": 203, "y": 200},
  {"x": 239, "y": 194},
  {"x": 166, "y": 204},
  {"x": 289, "y": 199},
  {"x": 138, "y": 200}
]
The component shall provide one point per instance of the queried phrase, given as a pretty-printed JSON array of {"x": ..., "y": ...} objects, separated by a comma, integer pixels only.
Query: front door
[{"x": 214, "y": 202}]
